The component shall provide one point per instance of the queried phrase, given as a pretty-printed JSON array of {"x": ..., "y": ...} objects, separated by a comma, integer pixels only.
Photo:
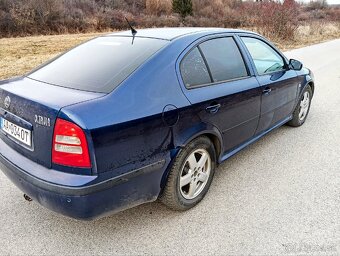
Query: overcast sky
[{"x": 328, "y": 1}]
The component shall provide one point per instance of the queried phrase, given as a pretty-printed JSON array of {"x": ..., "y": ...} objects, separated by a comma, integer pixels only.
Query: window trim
[
  {"x": 286, "y": 66},
  {"x": 205, "y": 62},
  {"x": 212, "y": 83},
  {"x": 217, "y": 83}
]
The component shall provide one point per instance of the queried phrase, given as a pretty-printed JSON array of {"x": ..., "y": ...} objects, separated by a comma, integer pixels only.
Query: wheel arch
[
  {"x": 203, "y": 129},
  {"x": 311, "y": 84},
  {"x": 217, "y": 144},
  {"x": 189, "y": 135}
]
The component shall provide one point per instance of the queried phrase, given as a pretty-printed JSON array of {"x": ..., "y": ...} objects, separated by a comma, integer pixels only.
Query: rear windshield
[{"x": 99, "y": 65}]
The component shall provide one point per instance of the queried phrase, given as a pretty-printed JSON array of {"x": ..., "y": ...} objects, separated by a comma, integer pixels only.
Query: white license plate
[{"x": 17, "y": 132}]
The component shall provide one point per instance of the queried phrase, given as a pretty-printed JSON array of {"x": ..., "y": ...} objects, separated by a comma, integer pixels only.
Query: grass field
[{"x": 20, "y": 55}]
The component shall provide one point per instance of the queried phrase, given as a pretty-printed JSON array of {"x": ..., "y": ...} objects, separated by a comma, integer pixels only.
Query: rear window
[
  {"x": 99, "y": 65},
  {"x": 193, "y": 69}
]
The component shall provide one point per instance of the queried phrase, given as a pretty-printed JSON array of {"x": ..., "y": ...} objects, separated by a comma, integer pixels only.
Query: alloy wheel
[
  {"x": 304, "y": 106},
  {"x": 195, "y": 174}
]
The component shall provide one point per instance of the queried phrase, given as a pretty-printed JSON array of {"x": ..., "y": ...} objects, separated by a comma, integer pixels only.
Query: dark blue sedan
[{"x": 126, "y": 118}]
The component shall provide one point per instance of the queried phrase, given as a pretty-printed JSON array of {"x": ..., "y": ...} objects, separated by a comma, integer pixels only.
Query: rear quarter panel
[{"x": 127, "y": 126}]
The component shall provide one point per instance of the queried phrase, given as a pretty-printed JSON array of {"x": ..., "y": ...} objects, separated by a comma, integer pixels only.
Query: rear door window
[
  {"x": 99, "y": 65},
  {"x": 224, "y": 59}
]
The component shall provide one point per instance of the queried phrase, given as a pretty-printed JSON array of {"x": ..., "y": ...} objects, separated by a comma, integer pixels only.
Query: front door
[{"x": 279, "y": 84}]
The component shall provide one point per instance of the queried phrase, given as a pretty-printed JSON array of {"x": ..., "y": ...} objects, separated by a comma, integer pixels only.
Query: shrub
[
  {"x": 183, "y": 7},
  {"x": 275, "y": 20},
  {"x": 159, "y": 21},
  {"x": 158, "y": 7}
]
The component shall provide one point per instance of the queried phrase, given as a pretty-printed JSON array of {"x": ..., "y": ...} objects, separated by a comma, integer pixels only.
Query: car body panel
[
  {"x": 282, "y": 87},
  {"x": 280, "y": 102},
  {"x": 35, "y": 105},
  {"x": 82, "y": 197},
  {"x": 239, "y": 99},
  {"x": 240, "y": 104},
  {"x": 136, "y": 122}
]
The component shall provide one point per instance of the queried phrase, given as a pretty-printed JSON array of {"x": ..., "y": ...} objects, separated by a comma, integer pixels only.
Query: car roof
[{"x": 173, "y": 33}]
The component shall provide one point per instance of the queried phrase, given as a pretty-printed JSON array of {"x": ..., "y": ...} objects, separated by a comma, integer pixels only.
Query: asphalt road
[{"x": 281, "y": 195}]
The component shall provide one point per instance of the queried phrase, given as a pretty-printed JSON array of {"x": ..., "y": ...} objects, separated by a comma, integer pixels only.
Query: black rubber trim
[{"x": 8, "y": 167}]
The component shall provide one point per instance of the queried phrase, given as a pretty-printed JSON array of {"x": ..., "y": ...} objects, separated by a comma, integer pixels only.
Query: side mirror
[{"x": 295, "y": 64}]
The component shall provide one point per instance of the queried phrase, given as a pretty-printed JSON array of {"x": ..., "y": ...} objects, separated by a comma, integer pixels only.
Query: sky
[{"x": 328, "y": 1}]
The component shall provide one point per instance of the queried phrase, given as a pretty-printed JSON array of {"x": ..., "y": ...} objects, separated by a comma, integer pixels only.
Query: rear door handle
[
  {"x": 266, "y": 90},
  {"x": 213, "y": 108}
]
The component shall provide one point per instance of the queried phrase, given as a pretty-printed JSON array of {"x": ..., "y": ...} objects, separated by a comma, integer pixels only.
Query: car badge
[{"x": 7, "y": 102}]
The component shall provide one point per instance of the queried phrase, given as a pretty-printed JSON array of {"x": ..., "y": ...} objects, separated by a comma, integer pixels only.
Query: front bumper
[{"x": 90, "y": 198}]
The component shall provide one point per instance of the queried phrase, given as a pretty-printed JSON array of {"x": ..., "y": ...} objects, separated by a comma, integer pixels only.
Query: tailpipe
[{"x": 27, "y": 198}]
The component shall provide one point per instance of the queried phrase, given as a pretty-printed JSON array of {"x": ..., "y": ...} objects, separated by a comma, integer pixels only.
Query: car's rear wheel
[
  {"x": 190, "y": 175},
  {"x": 302, "y": 109}
]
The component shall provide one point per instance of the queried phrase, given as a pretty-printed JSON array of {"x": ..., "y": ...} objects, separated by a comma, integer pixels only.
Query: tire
[
  {"x": 299, "y": 118},
  {"x": 189, "y": 180}
]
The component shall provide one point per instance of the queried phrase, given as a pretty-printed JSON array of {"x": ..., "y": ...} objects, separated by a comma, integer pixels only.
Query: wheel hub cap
[
  {"x": 195, "y": 173},
  {"x": 304, "y": 106}
]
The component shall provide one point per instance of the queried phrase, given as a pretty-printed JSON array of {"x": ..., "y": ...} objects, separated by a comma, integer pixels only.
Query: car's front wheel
[
  {"x": 190, "y": 175},
  {"x": 302, "y": 109}
]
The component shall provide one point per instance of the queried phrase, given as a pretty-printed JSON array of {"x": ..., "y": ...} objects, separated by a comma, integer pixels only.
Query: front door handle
[
  {"x": 213, "y": 108},
  {"x": 266, "y": 90}
]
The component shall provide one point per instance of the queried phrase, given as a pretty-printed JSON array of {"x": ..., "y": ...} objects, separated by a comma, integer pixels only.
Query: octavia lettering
[{"x": 42, "y": 120}]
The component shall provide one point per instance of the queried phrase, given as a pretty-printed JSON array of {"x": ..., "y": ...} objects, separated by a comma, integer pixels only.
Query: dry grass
[
  {"x": 311, "y": 33},
  {"x": 157, "y": 7},
  {"x": 20, "y": 55}
]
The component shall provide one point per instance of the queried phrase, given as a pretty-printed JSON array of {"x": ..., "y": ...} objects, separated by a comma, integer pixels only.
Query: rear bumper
[{"x": 89, "y": 201}]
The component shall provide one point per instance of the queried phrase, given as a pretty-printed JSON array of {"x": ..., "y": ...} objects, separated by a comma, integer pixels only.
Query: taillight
[{"x": 70, "y": 145}]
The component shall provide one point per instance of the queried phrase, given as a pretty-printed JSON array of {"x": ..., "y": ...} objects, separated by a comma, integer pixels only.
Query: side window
[
  {"x": 193, "y": 69},
  {"x": 224, "y": 59},
  {"x": 266, "y": 59}
]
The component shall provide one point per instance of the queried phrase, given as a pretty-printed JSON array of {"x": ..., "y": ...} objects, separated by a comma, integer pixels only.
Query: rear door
[
  {"x": 279, "y": 84},
  {"x": 221, "y": 88}
]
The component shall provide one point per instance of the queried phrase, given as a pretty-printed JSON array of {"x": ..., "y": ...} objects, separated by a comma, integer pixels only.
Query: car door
[
  {"x": 279, "y": 84},
  {"x": 221, "y": 89}
]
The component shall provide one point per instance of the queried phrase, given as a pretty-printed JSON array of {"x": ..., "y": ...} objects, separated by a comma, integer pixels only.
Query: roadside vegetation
[
  {"x": 273, "y": 18},
  {"x": 69, "y": 22}
]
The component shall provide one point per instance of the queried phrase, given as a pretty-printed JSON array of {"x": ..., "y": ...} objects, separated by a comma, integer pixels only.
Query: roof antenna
[{"x": 133, "y": 31}]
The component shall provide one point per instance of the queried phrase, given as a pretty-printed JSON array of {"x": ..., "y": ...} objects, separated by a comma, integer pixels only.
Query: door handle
[
  {"x": 266, "y": 90},
  {"x": 213, "y": 108}
]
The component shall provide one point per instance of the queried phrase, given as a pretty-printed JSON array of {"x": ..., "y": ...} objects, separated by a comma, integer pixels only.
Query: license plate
[{"x": 17, "y": 132}]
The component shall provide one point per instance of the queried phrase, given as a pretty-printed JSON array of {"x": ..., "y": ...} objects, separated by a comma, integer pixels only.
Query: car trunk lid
[{"x": 28, "y": 111}]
